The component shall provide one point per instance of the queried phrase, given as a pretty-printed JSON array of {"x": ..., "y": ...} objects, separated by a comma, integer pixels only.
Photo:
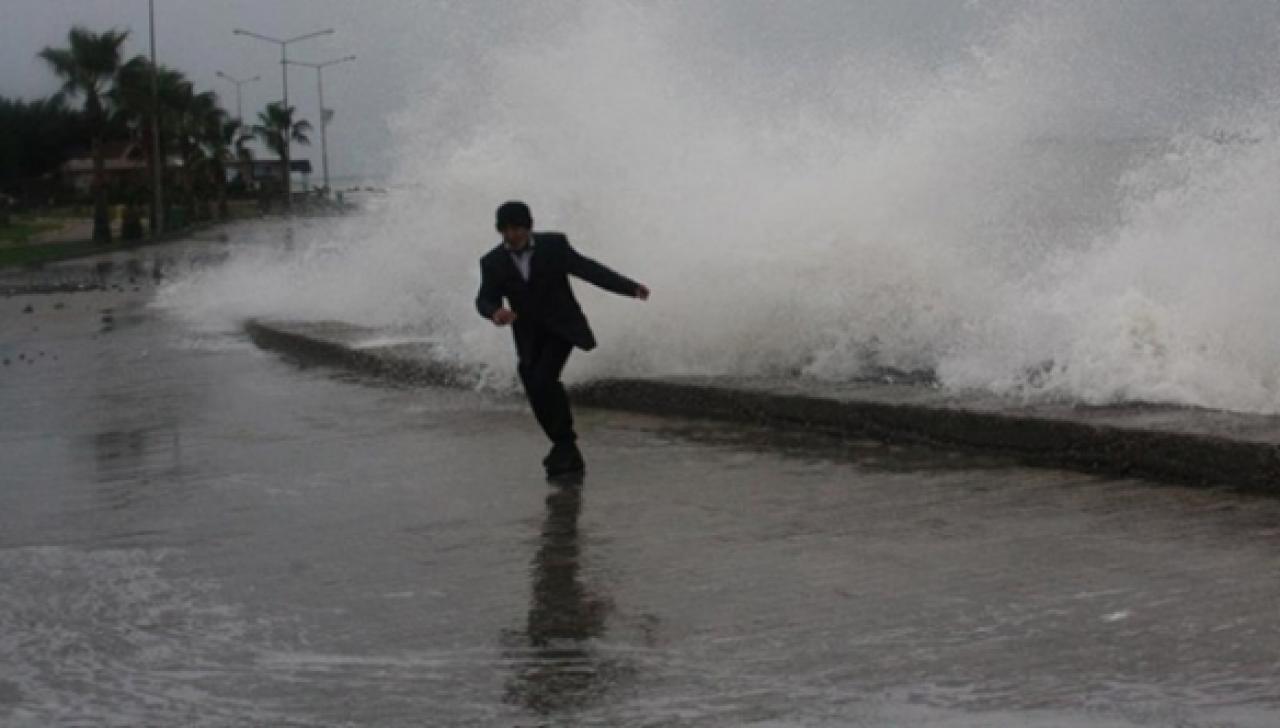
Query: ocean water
[{"x": 1072, "y": 201}]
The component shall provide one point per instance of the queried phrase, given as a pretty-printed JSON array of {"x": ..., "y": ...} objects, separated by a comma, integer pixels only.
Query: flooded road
[{"x": 197, "y": 533}]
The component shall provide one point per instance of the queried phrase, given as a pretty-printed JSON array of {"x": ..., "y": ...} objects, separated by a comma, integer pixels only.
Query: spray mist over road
[{"x": 1077, "y": 201}]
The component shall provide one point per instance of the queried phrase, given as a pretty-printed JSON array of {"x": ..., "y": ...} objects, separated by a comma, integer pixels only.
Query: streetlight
[
  {"x": 238, "y": 82},
  {"x": 324, "y": 113},
  {"x": 284, "y": 74},
  {"x": 157, "y": 161}
]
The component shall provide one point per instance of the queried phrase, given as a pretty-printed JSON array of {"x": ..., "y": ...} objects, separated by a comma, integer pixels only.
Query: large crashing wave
[{"x": 1079, "y": 205}]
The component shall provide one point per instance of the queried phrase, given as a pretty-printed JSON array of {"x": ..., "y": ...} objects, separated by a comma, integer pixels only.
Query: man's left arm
[{"x": 600, "y": 275}]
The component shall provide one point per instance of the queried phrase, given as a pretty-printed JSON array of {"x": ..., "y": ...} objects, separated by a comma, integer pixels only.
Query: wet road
[{"x": 193, "y": 532}]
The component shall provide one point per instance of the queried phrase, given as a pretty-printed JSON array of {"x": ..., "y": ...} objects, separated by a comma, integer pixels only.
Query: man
[{"x": 531, "y": 271}]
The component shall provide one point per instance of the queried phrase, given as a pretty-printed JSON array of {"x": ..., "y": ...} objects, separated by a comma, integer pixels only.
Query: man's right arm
[{"x": 489, "y": 299}]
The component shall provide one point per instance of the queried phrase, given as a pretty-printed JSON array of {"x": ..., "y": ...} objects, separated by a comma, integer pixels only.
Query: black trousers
[{"x": 542, "y": 359}]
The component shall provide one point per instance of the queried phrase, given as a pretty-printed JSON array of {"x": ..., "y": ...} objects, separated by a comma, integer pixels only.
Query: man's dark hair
[{"x": 514, "y": 213}]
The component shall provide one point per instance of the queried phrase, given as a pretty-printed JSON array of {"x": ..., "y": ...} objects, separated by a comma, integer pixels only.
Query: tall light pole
[
  {"x": 238, "y": 83},
  {"x": 284, "y": 75},
  {"x": 157, "y": 162},
  {"x": 324, "y": 115}
]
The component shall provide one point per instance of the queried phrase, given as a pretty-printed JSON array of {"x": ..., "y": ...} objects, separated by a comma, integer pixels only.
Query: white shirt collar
[{"x": 528, "y": 246}]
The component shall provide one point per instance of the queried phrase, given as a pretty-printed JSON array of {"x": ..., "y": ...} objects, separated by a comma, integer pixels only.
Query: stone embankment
[{"x": 1162, "y": 442}]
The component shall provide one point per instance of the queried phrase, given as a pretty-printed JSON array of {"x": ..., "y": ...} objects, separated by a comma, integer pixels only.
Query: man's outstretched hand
[
  {"x": 503, "y": 316},
  {"x": 642, "y": 292}
]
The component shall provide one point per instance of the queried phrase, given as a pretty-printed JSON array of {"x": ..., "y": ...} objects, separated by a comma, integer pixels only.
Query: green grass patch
[
  {"x": 20, "y": 232},
  {"x": 20, "y": 255}
]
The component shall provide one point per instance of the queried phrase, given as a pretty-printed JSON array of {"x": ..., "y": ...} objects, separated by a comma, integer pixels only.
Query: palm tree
[
  {"x": 244, "y": 153},
  {"x": 132, "y": 99},
  {"x": 223, "y": 140},
  {"x": 187, "y": 111},
  {"x": 276, "y": 125},
  {"x": 201, "y": 118},
  {"x": 87, "y": 66}
]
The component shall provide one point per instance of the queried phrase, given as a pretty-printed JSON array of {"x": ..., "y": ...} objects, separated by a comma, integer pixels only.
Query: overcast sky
[
  {"x": 196, "y": 37},
  {"x": 396, "y": 42},
  {"x": 1152, "y": 58}
]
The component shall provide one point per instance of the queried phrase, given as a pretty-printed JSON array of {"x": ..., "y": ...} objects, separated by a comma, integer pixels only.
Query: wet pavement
[{"x": 195, "y": 532}]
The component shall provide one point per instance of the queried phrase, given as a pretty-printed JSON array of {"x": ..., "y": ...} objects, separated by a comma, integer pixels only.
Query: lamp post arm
[
  {"x": 324, "y": 64},
  {"x": 251, "y": 34},
  {"x": 326, "y": 31}
]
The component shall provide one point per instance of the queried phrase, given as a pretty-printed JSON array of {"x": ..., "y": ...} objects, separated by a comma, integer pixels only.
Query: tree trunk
[
  {"x": 188, "y": 183},
  {"x": 101, "y": 216},
  {"x": 154, "y": 169},
  {"x": 219, "y": 174},
  {"x": 246, "y": 174},
  {"x": 284, "y": 166},
  {"x": 153, "y": 213},
  {"x": 224, "y": 211}
]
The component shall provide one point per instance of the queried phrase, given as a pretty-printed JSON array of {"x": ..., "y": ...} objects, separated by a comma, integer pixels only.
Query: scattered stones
[{"x": 28, "y": 309}]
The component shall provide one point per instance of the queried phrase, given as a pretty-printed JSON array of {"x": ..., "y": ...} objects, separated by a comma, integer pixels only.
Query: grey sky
[
  {"x": 1139, "y": 61},
  {"x": 397, "y": 42},
  {"x": 195, "y": 36}
]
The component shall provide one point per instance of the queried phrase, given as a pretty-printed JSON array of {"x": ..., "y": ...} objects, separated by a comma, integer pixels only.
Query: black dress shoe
[
  {"x": 564, "y": 460},
  {"x": 568, "y": 481},
  {"x": 559, "y": 452}
]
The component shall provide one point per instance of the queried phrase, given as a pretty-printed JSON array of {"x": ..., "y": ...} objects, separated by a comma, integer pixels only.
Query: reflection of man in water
[
  {"x": 559, "y": 672},
  {"x": 531, "y": 271}
]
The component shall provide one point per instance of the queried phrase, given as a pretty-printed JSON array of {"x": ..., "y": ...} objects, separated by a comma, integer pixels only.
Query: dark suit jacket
[{"x": 545, "y": 301}]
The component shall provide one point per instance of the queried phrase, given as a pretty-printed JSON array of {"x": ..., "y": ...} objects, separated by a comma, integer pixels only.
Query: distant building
[
  {"x": 123, "y": 162},
  {"x": 268, "y": 170}
]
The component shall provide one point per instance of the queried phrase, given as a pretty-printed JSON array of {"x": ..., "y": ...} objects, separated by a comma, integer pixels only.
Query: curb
[
  {"x": 1031, "y": 439},
  {"x": 336, "y": 344},
  {"x": 1180, "y": 444}
]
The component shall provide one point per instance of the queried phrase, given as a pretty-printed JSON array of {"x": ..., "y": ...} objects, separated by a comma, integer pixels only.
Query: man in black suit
[{"x": 531, "y": 271}]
